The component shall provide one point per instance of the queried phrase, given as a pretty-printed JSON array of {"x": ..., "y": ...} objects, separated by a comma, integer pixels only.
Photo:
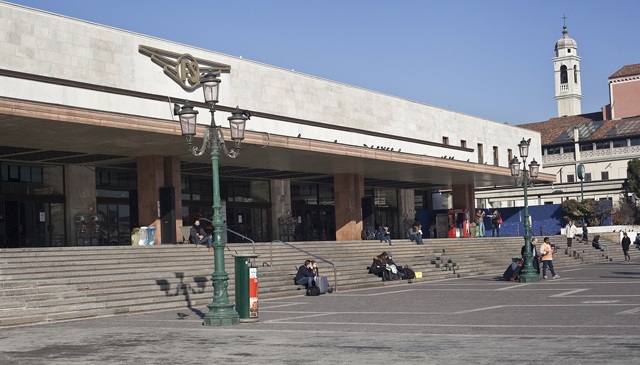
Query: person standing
[
  {"x": 626, "y": 242},
  {"x": 496, "y": 221},
  {"x": 570, "y": 231},
  {"x": 585, "y": 234},
  {"x": 480, "y": 223},
  {"x": 546, "y": 251},
  {"x": 535, "y": 260}
]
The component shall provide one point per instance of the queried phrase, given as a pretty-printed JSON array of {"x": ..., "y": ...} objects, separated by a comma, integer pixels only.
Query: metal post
[
  {"x": 221, "y": 311},
  {"x": 528, "y": 274}
]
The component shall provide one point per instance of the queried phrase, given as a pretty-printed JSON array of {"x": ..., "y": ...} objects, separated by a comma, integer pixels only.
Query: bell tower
[{"x": 566, "y": 66}]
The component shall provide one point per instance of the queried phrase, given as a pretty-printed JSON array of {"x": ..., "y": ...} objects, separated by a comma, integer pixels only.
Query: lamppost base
[
  {"x": 529, "y": 277},
  {"x": 221, "y": 317}
]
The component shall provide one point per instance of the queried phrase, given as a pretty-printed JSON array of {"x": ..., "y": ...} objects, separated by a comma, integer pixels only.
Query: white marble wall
[{"x": 46, "y": 44}]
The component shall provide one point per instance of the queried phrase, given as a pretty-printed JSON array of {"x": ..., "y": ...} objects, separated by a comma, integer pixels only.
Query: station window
[
  {"x": 495, "y": 155},
  {"x": 587, "y": 176},
  {"x": 445, "y": 140},
  {"x": 22, "y": 173},
  {"x": 604, "y": 175},
  {"x": 463, "y": 143},
  {"x": 586, "y": 146},
  {"x": 571, "y": 178},
  {"x": 602, "y": 145},
  {"x": 568, "y": 149},
  {"x": 553, "y": 150},
  {"x": 480, "y": 153},
  {"x": 618, "y": 143}
]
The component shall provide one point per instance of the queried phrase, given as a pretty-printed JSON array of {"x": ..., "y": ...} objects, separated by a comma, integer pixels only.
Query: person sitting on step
[
  {"x": 415, "y": 234},
  {"x": 306, "y": 275},
  {"x": 198, "y": 236},
  {"x": 385, "y": 234}
]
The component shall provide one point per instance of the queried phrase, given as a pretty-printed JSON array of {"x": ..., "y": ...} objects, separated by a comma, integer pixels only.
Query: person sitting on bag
[{"x": 305, "y": 275}]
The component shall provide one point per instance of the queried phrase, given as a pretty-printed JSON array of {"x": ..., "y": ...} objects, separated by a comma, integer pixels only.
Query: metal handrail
[
  {"x": 237, "y": 234},
  {"x": 244, "y": 237},
  {"x": 335, "y": 271}
]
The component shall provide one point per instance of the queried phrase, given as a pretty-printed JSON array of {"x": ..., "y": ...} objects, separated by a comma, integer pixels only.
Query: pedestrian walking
[
  {"x": 546, "y": 251},
  {"x": 626, "y": 242}
]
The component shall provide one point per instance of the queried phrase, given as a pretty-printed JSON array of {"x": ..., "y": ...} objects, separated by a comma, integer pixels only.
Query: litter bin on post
[
  {"x": 246, "y": 288},
  {"x": 151, "y": 234},
  {"x": 142, "y": 236}
]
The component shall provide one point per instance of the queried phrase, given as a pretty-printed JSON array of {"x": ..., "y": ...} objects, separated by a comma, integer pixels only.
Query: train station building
[{"x": 90, "y": 147}]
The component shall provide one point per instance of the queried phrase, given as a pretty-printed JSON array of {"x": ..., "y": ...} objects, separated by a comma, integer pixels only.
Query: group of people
[
  {"x": 544, "y": 255},
  {"x": 384, "y": 267},
  {"x": 307, "y": 274},
  {"x": 571, "y": 231},
  {"x": 496, "y": 223}
]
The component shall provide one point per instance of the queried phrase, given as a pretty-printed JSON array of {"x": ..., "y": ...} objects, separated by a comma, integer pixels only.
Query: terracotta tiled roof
[
  {"x": 628, "y": 70},
  {"x": 591, "y": 127}
]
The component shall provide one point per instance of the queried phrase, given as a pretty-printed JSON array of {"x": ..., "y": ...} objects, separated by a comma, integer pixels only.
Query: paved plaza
[{"x": 590, "y": 315}]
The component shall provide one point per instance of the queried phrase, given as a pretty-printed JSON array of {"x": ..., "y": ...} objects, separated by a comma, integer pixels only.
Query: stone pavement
[{"x": 591, "y": 315}]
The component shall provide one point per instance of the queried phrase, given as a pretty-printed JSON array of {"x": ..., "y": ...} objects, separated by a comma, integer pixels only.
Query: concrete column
[
  {"x": 80, "y": 194},
  {"x": 280, "y": 204},
  {"x": 407, "y": 209},
  {"x": 150, "y": 179},
  {"x": 464, "y": 197},
  {"x": 173, "y": 177},
  {"x": 348, "y": 191}
]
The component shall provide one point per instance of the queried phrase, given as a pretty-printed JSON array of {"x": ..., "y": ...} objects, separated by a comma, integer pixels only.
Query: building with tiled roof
[{"x": 603, "y": 142}]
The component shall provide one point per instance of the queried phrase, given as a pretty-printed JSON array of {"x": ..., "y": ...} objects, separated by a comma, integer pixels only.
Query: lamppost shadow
[{"x": 184, "y": 289}]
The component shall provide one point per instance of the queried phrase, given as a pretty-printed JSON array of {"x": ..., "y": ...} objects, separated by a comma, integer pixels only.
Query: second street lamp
[
  {"x": 221, "y": 311},
  {"x": 524, "y": 178}
]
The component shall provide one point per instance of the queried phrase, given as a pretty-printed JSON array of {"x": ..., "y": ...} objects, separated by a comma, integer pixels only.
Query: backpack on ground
[
  {"x": 409, "y": 273},
  {"x": 313, "y": 291}
]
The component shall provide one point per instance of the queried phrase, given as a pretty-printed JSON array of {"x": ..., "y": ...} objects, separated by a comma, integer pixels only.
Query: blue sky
[{"x": 488, "y": 58}]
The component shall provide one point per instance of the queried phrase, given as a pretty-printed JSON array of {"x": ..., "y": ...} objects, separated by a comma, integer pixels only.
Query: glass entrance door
[
  {"x": 252, "y": 222},
  {"x": 115, "y": 226},
  {"x": 33, "y": 224}
]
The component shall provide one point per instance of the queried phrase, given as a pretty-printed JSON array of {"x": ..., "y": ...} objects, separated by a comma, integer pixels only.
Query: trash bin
[
  {"x": 135, "y": 236},
  {"x": 151, "y": 234},
  {"x": 142, "y": 236},
  {"x": 246, "y": 288}
]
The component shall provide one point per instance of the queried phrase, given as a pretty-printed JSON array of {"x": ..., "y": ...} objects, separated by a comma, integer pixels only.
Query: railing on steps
[{"x": 335, "y": 271}]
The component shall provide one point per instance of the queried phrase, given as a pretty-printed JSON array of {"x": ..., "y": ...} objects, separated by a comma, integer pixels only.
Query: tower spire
[{"x": 566, "y": 66}]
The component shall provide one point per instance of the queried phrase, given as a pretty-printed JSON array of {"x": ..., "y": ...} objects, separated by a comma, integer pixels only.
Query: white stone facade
[{"x": 36, "y": 42}]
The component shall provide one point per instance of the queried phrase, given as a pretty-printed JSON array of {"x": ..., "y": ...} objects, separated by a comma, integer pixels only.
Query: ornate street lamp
[
  {"x": 221, "y": 311},
  {"x": 525, "y": 178}
]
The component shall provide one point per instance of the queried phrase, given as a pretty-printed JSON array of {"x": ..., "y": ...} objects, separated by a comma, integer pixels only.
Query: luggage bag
[
  {"x": 513, "y": 270},
  {"x": 323, "y": 284}
]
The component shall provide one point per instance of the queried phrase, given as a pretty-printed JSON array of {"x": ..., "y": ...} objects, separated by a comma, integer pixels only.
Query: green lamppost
[
  {"x": 221, "y": 311},
  {"x": 524, "y": 178}
]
